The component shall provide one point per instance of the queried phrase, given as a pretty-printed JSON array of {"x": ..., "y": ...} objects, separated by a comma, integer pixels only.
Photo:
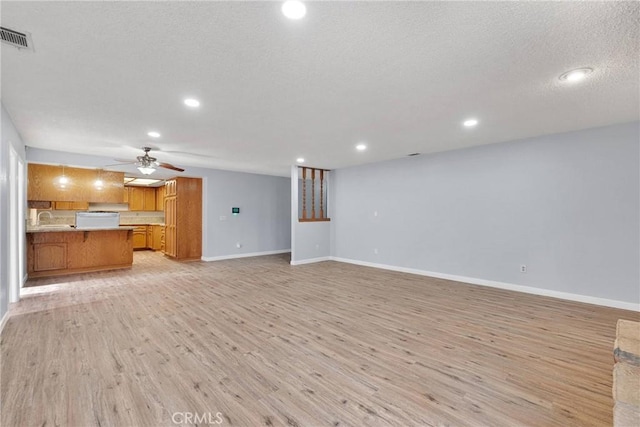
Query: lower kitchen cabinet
[
  {"x": 157, "y": 237},
  {"x": 77, "y": 251},
  {"x": 140, "y": 237},
  {"x": 148, "y": 237},
  {"x": 49, "y": 256}
]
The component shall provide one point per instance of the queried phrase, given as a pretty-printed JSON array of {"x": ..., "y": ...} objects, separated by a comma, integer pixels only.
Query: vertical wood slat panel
[
  {"x": 321, "y": 193},
  {"x": 304, "y": 193},
  {"x": 321, "y": 214},
  {"x": 313, "y": 194}
]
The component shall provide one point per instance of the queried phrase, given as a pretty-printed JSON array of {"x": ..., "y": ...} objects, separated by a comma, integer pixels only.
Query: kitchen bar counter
[
  {"x": 57, "y": 251},
  {"x": 50, "y": 228}
]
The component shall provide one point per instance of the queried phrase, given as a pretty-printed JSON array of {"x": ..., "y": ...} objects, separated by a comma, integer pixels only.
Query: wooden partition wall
[{"x": 316, "y": 180}]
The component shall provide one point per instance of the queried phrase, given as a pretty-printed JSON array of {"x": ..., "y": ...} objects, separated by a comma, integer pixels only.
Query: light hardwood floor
[{"x": 328, "y": 344}]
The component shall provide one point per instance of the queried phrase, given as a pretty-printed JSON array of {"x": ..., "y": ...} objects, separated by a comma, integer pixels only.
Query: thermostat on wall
[{"x": 235, "y": 211}]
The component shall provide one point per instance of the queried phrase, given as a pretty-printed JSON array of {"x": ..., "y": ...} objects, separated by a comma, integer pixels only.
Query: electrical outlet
[
  {"x": 238, "y": 245},
  {"x": 375, "y": 213},
  {"x": 375, "y": 251},
  {"x": 523, "y": 268},
  {"x": 223, "y": 217}
]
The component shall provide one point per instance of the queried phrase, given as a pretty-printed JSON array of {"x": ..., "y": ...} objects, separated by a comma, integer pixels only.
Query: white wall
[
  {"x": 565, "y": 205},
  {"x": 310, "y": 241},
  {"x": 263, "y": 225},
  {"x": 10, "y": 138}
]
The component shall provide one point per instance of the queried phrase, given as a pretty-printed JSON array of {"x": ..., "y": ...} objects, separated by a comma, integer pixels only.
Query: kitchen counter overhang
[{"x": 51, "y": 228}]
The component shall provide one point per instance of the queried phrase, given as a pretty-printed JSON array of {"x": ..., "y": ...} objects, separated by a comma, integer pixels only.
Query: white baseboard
[
  {"x": 311, "y": 260},
  {"x": 501, "y": 285},
  {"x": 4, "y": 320},
  {"x": 247, "y": 255}
]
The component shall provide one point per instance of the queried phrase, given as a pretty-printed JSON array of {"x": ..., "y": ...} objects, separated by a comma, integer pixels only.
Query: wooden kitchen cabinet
[
  {"x": 157, "y": 239},
  {"x": 149, "y": 237},
  {"x": 160, "y": 198},
  {"x": 49, "y": 256},
  {"x": 140, "y": 237},
  {"x": 136, "y": 199},
  {"x": 142, "y": 198},
  {"x": 149, "y": 199},
  {"x": 70, "y": 206},
  {"x": 76, "y": 251},
  {"x": 170, "y": 235},
  {"x": 183, "y": 218},
  {"x": 43, "y": 184}
]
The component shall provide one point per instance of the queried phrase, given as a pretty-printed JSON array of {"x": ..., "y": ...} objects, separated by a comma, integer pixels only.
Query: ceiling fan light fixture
[{"x": 146, "y": 170}]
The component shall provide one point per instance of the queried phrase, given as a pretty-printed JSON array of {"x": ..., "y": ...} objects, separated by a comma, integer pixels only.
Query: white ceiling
[{"x": 399, "y": 75}]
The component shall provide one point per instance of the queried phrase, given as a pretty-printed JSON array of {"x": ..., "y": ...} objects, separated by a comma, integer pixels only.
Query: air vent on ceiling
[
  {"x": 16, "y": 39},
  {"x": 413, "y": 154}
]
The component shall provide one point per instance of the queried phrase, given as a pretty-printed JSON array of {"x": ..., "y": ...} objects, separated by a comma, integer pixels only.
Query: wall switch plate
[
  {"x": 375, "y": 251},
  {"x": 223, "y": 217}
]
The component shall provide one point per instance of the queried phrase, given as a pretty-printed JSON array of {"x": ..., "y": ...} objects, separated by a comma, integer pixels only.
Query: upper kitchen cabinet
[
  {"x": 142, "y": 198},
  {"x": 66, "y": 184},
  {"x": 160, "y": 198}
]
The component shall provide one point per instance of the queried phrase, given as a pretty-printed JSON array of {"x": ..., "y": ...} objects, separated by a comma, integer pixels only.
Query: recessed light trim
[
  {"x": 300, "y": 160},
  {"x": 294, "y": 9},
  {"x": 469, "y": 123},
  {"x": 192, "y": 102},
  {"x": 154, "y": 134},
  {"x": 361, "y": 147},
  {"x": 576, "y": 75}
]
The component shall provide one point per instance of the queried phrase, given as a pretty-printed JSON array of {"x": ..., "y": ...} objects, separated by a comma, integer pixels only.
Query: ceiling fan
[{"x": 147, "y": 164}]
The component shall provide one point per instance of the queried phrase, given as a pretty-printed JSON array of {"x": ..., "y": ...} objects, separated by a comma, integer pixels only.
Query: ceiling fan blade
[
  {"x": 125, "y": 161},
  {"x": 184, "y": 153},
  {"x": 170, "y": 166}
]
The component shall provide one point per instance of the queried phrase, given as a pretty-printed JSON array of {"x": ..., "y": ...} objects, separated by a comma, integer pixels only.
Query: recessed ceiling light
[
  {"x": 191, "y": 102},
  {"x": 361, "y": 147},
  {"x": 576, "y": 75},
  {"x": 294, "y": 9},
  {"x": 470, "y": 123},
  {"x": 300, "y": 160},
  {"x": 154, "y": 134}
]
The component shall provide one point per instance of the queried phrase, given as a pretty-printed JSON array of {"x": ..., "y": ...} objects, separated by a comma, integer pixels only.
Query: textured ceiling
[{"x": 399, "y": 75}]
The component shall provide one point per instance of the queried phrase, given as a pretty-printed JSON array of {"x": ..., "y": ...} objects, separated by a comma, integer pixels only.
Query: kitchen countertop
[{"x": 66, "y": 228}]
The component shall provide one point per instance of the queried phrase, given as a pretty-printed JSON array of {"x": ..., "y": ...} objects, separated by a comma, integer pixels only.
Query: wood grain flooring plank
[{"x": 258, "y": 342}]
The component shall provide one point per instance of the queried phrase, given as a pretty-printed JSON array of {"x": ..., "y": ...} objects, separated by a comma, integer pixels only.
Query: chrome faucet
[{"x": 42, "y": 212}]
